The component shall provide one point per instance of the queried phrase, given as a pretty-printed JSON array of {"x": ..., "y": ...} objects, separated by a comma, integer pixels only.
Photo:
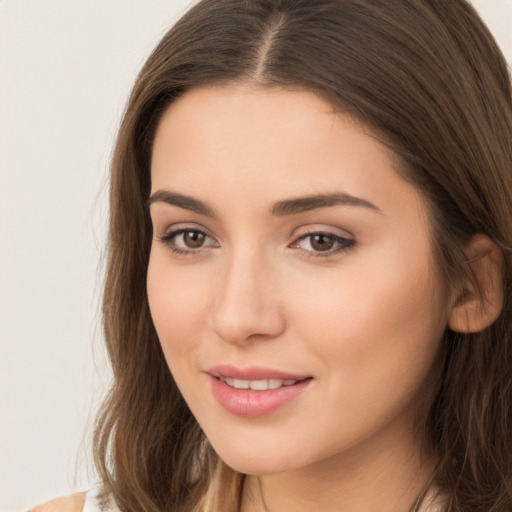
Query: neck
[{"x": 365, "y": 479}]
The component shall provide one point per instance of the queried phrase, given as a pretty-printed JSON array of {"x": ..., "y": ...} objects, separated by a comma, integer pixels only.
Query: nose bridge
[{"x": 246, "y": 303}]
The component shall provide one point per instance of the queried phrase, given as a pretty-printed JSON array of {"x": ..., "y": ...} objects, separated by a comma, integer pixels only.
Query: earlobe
[{"x": 480, "y": 302}]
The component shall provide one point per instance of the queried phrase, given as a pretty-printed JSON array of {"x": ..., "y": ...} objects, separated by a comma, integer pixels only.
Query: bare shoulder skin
[{"x": 72, "y": 503}]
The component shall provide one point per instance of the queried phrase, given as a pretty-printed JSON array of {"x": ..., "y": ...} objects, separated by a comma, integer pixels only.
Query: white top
[{"x": 430, "y": 504}]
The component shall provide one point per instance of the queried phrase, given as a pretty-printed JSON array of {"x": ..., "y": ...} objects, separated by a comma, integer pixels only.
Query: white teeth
[
  {"x": 241, "y": 384},
  {"x": 257, "y": 385},
  {"x": 274, "y": 383}
]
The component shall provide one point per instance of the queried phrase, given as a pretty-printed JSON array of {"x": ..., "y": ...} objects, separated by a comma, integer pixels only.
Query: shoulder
[{"x": 73, "y": 503}]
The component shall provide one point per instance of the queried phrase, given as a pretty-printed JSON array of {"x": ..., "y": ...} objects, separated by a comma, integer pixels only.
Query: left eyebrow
[
  {"x": 182, "y": 201},
  {"x": 314, "y": 202}
]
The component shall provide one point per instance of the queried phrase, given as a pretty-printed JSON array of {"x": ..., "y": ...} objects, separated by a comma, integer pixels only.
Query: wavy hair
[{"x": 428, "y": 79}]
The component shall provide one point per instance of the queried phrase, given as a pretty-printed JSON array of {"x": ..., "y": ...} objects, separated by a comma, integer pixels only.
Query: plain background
[{"x": 66, "y": 68}]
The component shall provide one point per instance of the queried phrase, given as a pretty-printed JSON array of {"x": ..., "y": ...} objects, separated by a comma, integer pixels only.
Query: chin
[
  {"x": 257, "y": 461},
  {"x": 256, "y": 467}
]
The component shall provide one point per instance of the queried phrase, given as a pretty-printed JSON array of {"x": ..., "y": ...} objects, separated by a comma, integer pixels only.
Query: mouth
[
  {"x": 260, "y": 384},
  {"x": 255, "y": 374},
  {"x": 256, "y": 391}
]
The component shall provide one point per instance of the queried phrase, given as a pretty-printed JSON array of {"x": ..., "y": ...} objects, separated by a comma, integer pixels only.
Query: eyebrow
[
  {"x": 280, "y": 209},
  {"x": 314, "y": 202},
  {"x": 182, "y": 201}
]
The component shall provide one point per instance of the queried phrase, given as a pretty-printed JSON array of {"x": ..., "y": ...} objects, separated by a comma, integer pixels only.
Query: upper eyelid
[
  {"x": 332, "y": 231},
  {"x": 183, "y": 226}
]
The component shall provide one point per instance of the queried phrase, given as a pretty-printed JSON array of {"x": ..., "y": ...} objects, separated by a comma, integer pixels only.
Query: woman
[{"x": 307, "y": 302}]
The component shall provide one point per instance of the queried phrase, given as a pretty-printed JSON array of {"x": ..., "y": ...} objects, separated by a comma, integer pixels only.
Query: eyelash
[{"x": 344, "y": 244}]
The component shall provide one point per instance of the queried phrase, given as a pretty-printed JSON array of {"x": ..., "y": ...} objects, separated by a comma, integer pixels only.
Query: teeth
[
  {"x": 241, "y": 384},
  {"x": 257, "y": 385},
  {"x": 274, "y": 383}
]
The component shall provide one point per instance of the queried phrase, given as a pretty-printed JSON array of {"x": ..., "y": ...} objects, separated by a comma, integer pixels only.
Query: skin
[
  {"x": 72, "y": 503},
  {"x": 364, "y": 322}
]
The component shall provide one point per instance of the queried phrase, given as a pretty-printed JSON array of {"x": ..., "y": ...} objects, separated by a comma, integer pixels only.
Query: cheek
[
  {"x": 178, "y": 305},
  {"x": 373, "y": 329}
]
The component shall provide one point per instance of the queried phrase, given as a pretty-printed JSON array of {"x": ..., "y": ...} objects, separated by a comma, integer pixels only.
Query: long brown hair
[{"x": 428, "y": 79}]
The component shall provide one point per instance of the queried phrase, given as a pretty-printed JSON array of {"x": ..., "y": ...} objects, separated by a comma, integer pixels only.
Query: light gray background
[{"x": 66, "y": 68}]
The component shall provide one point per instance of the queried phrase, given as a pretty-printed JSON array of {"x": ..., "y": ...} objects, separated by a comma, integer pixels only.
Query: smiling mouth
[
  {"x": 258, "y": 385},
  {"x": 255, "y": 391}
]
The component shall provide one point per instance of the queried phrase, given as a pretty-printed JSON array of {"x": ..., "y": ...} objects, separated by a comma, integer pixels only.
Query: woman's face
[{"x": 289, "y": 257}]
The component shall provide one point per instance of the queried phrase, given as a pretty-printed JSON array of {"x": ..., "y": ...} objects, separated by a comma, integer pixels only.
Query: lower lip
[{"x": 251, "y": 404}]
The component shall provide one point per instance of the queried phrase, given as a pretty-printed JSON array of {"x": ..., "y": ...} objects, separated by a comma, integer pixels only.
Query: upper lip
[{"x": 253, "y": 373}]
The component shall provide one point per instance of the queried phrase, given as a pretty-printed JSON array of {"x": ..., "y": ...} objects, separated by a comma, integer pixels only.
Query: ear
[{"x": 479, "y": 302}]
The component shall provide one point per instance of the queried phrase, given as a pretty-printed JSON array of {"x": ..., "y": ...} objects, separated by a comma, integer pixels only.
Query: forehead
[
  {"x": 268, "y": 144},
  {"x": 250, "y": 112}
]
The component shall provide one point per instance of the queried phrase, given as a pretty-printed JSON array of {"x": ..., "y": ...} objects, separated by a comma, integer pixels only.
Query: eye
[
  {"x": 187, "y": 241},
  {"x": 190, "y": 239},
  {"x": 323, "y": 244}
]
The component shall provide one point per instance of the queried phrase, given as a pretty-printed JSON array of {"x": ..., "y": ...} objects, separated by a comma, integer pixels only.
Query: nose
[{"x": 247, "y": 305}]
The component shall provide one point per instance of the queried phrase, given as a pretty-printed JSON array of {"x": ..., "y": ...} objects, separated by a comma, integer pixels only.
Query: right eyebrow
[
  {"x": 314, "y": 202},
  {"x": 186, "y": 202}
]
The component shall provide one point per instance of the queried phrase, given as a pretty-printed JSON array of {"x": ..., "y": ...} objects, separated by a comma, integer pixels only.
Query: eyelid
[{"x": 327, "y": 229}]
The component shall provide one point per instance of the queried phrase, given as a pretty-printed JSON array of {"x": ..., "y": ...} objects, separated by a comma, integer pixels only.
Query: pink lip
[
  {"x": 249, "y": 403},
  {"x": 253, "y": 373}
]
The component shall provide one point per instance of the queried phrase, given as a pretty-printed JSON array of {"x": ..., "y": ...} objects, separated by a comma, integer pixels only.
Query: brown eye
[
  {"x": 188, "y": 241},
  {"x": 193, "y": 239},
  {"x": 322, "y": 242}
]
